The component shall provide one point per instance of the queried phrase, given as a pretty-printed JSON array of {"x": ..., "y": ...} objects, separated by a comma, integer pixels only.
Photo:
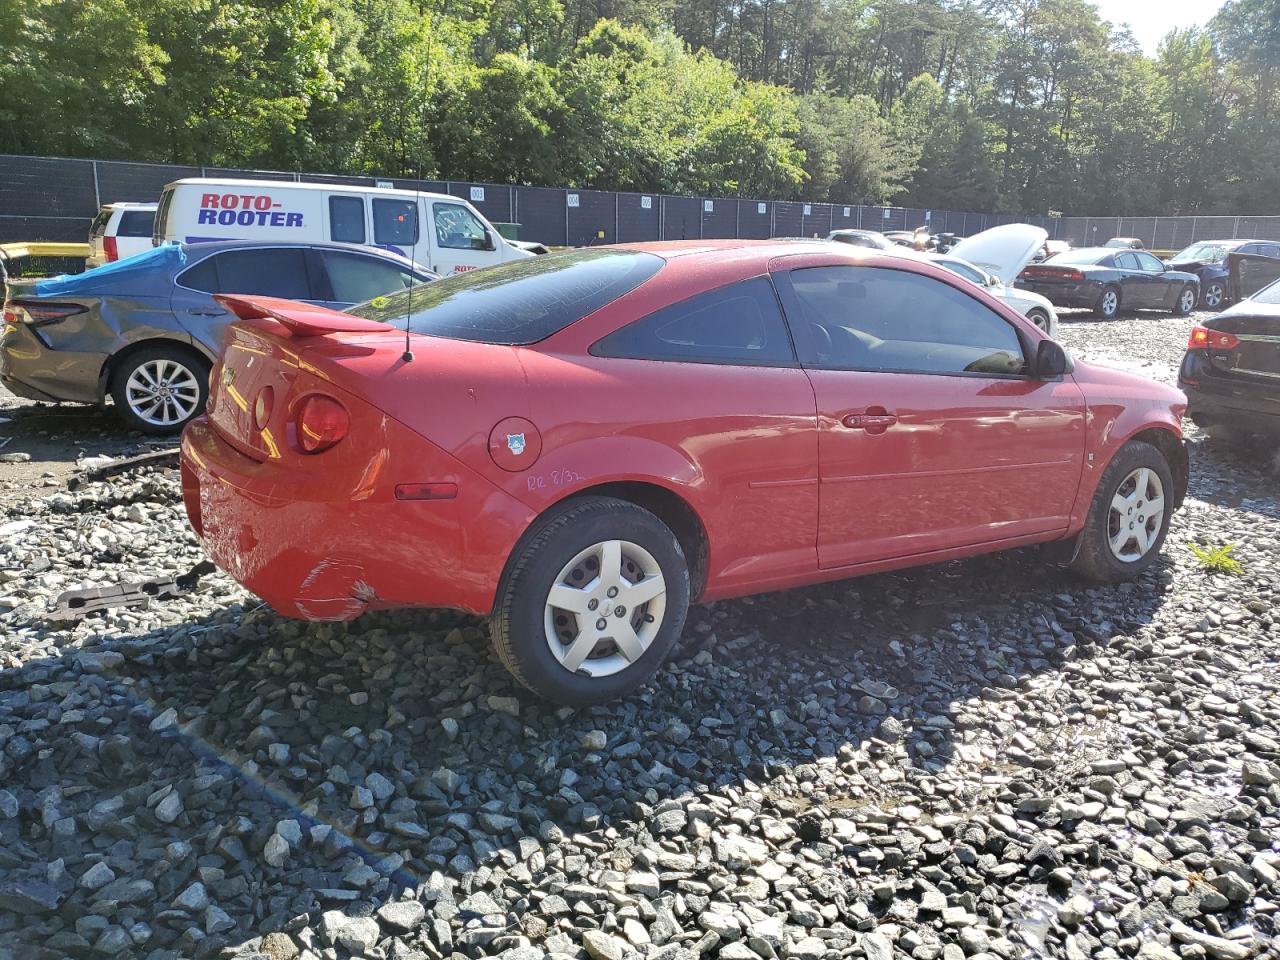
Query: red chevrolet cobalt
[{"x": 579, "y": 445}]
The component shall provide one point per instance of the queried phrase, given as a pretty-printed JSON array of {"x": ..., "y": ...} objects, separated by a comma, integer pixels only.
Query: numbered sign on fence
[{"x": 477, "y": 194}]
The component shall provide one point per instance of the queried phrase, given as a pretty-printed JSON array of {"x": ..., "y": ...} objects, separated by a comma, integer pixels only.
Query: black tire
[
  {"x": 519, "y": 622},
  {"x": 1186, "y": 302},
  {"x": 1095, "y": 558},
  {"x": 1108, "y": 304},
  {"x": 1213, "y": 295},
  {"x": 1039, "y": 318},
  {"x": 189, "y": 379}
]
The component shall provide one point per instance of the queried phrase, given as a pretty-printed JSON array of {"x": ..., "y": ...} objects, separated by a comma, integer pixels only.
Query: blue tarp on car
[{"x": 121, "y": 276}]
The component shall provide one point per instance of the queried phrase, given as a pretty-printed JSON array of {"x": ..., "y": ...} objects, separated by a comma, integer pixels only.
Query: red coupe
[{"x": 579, "y": 445}]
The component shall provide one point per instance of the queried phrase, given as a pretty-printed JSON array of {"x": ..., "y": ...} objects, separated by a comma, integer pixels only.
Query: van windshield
[
  {"x": 516, "y": 303},
  {"x": 162, "y": 217}
]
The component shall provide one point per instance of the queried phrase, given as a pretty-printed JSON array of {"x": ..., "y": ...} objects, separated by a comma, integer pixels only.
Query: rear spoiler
[{"x": 301, "y": 319}]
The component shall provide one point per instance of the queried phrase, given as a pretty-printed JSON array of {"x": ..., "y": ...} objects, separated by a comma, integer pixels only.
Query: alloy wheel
[
  {"x": 1109, "y": 303},
  {"x": 1187, "y": 301},
  {"x": 1137, "y": 512},
  {"x": 604, "y": 608},
  {"x": 1213, "y": 295},
  {"x": 162, "y": 393}
]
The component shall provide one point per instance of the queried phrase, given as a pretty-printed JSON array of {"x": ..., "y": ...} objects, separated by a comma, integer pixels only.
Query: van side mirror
[
  {"x": 1051, "y": 360},
  {"x": 489, "y": 242}
]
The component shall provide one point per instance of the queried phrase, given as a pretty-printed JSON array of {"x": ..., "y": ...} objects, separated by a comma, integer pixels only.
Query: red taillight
[
  {"x": 110, "y": 249},
  {"x": 38, "y": 313},
  {"x": 322, "y": 421},
  {"x": 1202, "y": 338},
  {"x": 1052, "y": 273}
]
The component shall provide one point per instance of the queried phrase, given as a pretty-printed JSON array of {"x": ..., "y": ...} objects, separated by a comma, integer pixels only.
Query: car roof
[
  {"x": 196, "y": 252},
  {"x": 130, "y": 205},
  {"x": 249, "y": 184}
]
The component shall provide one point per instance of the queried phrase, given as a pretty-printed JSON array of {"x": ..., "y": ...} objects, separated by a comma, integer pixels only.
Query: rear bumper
[
  {"x": 320, "y": 545},
  {"x": 1234, "y": 401},
  {"x": 1083, "y": 294}
]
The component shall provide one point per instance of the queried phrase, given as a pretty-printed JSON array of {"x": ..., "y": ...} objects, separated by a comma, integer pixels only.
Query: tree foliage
[{"x": 1019, "y": 105}]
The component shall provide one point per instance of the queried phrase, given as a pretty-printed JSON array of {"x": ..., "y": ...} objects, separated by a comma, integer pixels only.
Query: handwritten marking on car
[{"x": 556, "y": 478}]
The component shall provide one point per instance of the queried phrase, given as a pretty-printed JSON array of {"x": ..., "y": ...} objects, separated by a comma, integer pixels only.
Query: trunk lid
[
  {"x": 1002, "y": 251},
  {"x": 1257, "y": 354}
]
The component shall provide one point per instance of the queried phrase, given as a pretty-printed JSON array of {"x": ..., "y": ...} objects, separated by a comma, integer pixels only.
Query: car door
[
  {"x": 348, "y": 278},
  {"x": 262, "y": 271},
  {"x": 1161, "y": 287},
  {"x": 459, "y": 239},
  {"x": 1135, "y": 285},
  {"x": 931, "y": 435}
]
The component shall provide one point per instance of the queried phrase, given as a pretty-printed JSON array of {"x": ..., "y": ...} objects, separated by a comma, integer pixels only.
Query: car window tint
[
  {"x": 961, "y": 269},
  {"x": 346, "y": 219},
  {"x": 1148, "y": 262},
  {"x": 355, "y": 279},
  {"x": 136, "y": 223},
  {"x": 1128, "y": 261},
  {"x": 873, "y": 318},
  {"x": 395, "y": 222},
  {"x": 1247, "y": 248},
  {"x": 1270, "y": 250},
  {"x": 267, "y": 272},
  {"x": 457, "y": 228},
  {"x": 99, "y": 225},
  {"x": 739, "y": 324},
  {"x": 518, "y": 302},
  {"x": 202, "y": 276}
]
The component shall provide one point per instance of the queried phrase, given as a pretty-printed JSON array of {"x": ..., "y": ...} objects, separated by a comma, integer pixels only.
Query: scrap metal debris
[
  {"x": 98, "y": 470},
  {"x": 76, "y": 604}
]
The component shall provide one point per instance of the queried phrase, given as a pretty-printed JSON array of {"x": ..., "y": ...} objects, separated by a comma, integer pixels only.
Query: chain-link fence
[
  {"x": 48, "y": 198},
  {"x": 51, "y": 198}
]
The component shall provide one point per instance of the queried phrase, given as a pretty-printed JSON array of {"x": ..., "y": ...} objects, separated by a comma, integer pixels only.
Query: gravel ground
[{"x": 984, "y": 759}]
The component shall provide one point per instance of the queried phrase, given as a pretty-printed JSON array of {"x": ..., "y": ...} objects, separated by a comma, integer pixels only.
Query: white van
[{"x": 457, "y": 237}]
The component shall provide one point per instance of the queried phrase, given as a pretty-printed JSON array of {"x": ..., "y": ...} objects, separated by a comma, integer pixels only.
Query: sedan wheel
[
  {"x": 1108, "y": 304},
  {"x": 1039, "y": 318},
  {"x": 591, "y": 602},
  {"x": 1186, "y": 301},
  {"x": 605, "y": 608},
  {"x": 159, "y": 389},
  {"x": 1213, "y": 294},
  {"x": 1136, "y": 516}
]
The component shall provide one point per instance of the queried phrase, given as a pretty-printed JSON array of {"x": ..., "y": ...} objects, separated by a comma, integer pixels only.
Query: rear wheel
[
  {"x": 1129, "y": 516},
  {"x": 592, "y": 602},
  {"x": 1186, "y": 302},
  {"x": 1212, "y": 294},
  {"x": 1108, "y": 304},
  {"x": 158, "y": 389}
]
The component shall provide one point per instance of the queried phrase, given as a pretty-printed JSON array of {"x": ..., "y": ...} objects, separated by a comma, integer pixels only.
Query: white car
[
  {"x": 994, "y": 258},
  {"x": 120, "y": 230}
]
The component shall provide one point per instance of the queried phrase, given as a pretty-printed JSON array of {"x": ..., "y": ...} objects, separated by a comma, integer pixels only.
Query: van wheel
[
  {"x": 158, "y": 389},
  {"x": 1129, "y": 516},
  {"x": 592, "y": 602}
]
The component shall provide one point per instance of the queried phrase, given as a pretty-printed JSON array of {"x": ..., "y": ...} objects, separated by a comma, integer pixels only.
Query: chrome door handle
[{"x": 872, "y": 422}]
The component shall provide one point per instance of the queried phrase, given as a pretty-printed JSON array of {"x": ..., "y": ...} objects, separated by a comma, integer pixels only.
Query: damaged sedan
[{"x": 144, "y": 330}]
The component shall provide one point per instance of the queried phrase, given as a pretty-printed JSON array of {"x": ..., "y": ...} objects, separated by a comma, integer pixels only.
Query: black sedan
[
  {"x": 1207, "y": 259},
  {"x": 1231, "y": 371},
  {"x": 1108, "y": 280}
]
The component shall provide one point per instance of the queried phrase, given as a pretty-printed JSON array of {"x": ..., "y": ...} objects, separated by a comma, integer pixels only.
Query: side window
[
  {"x": 267, "y": 272},
  {"x": 346, "y": 219},
  {"x": 963, "y": 270},
  {"x": 355, "y": 279},
  {"x": 1149, "y": 263},
  {"x": 1248, "y": 248},
  {"x": 395, "y": 222},
  {"x": 136, "y": 223},
  {"x": 736, "y": 324},
  {"x": 1128, "y": 261},
  {"x": 895, "y": 321},
  {"x": 457, "y": 228},
  {"x": 202, "y": 276},
  {"x": 1269, "y": 250}
]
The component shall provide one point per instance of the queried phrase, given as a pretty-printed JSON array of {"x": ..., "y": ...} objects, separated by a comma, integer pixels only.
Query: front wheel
[
  {"x": 158, "y": 389},
  {"x": 592, "y": 602},
  {"x": 1108, "y": 304},
  {"x": 1186, "y": 302},
  {"x": 1129, "y": 516},
  {"x": 1039, "y": 318},
  {"x": 1213, "y": 294}
]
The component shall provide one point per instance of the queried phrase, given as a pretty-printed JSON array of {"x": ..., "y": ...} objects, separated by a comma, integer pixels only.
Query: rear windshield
[
  {"x": 99, "y": 226},
  {"x": 1080, "y": 256},
  {"x": 1268, "y": 294},
  {"x": 136, "y": 223},
  {"x": 520, "y": 302}
]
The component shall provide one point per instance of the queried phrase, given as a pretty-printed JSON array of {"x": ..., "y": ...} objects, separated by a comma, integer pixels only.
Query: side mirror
[
  {"x": 489, "y": 243},
  {"x": 1051, "y": 360}
]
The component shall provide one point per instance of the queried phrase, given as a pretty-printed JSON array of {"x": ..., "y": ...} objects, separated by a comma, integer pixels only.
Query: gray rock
[
  {"x": 170, "y": 808},
  {"x": 876, "y": 946},
  {"x": 356, "y": 934},
  {"x": 601, "y": 946},
  {"x": 193, "y": 898},
  {"x": 594, "y": 740},
  {"x": 97, "y": 876},
  {"x": 402, "y": 915}
]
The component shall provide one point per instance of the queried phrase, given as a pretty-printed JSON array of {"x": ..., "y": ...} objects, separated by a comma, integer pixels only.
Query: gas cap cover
[{"x": 515, "y": 444}]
